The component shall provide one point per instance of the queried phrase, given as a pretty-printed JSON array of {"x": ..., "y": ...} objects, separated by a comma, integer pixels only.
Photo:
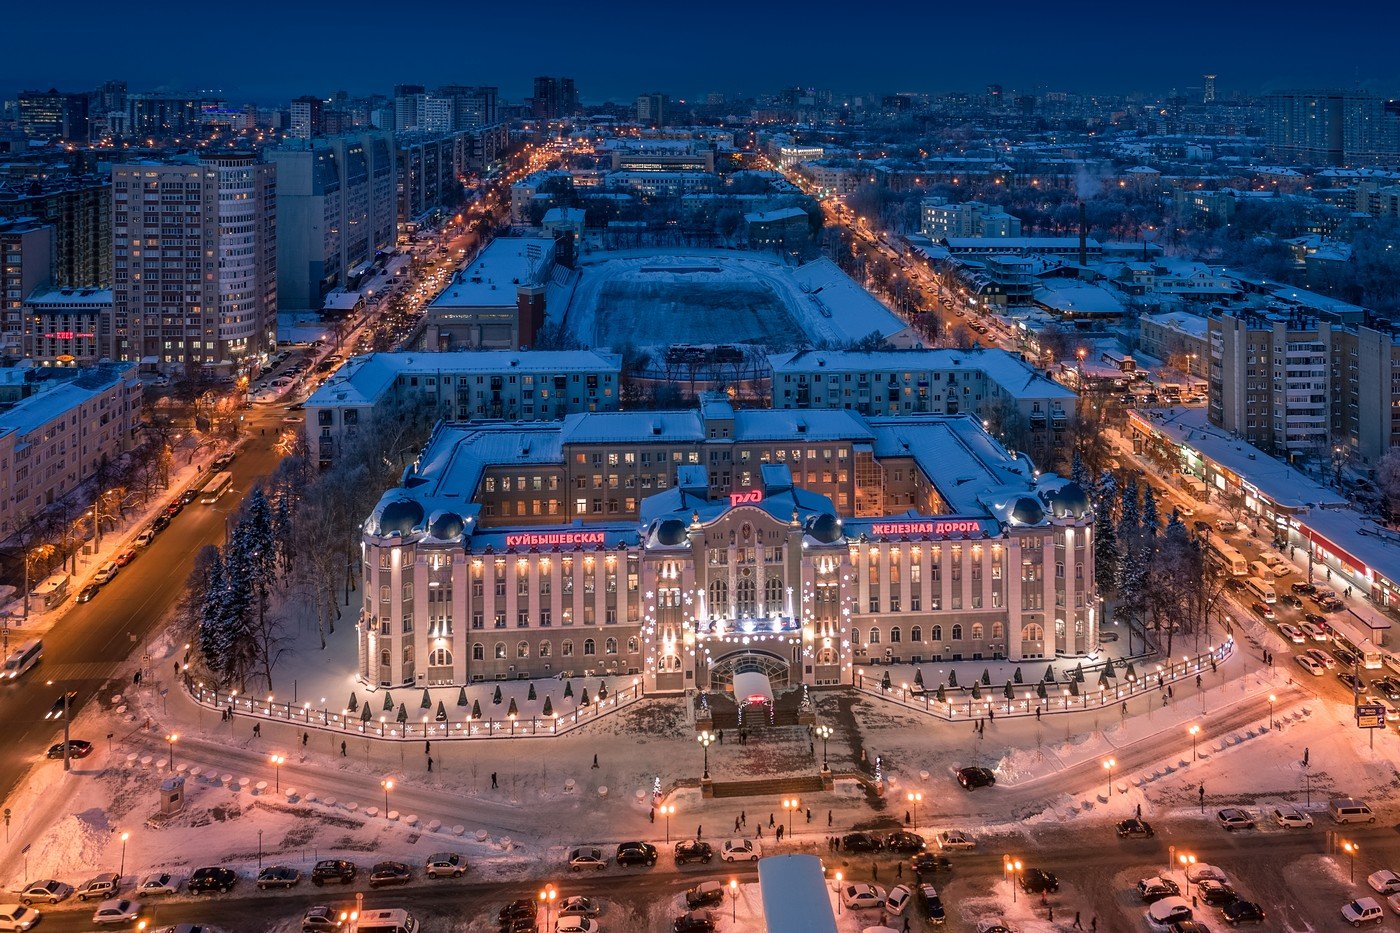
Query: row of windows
[{"x": 1029, "y": 632}]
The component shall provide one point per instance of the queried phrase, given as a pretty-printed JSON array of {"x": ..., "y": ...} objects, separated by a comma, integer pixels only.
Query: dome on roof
[
  {"x": 670, "y": 532},
  {"x": 446, "y": 525},
  {"x": 1027, "y": 511},
  {"x": 401, "y": 515},
  {"x": 1068, "y": 501},
  {"x": 825, "y": 528}
]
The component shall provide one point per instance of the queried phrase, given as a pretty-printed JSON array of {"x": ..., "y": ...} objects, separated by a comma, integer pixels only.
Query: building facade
[
  {"x": 26, "y": 261},
  {"x": 194, "y": 265},
  {"x": 79, "y": 208},
  {"x": 495, "y": 303},
  {"x": 68, "y": 326},
  {"x": 969, "y": 219},
  {"x": 681, "y": 546}
]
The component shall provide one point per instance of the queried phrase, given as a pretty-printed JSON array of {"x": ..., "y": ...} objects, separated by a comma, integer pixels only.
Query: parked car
[
  {"x": 18, "y": 917},
  {"x": 738, "y": 850},
  {"x": 99, "y": 887},
  {"x": 704, "y": 894},
  {"x": 125, "y": 557},
  {"x": 1233, "y": 818},
  {"x": 588, "y": 857},
  {"x": 1202, "y": 870},
  {"x": 861, "y": 842},
  {"x": 387, "y": 873},
  {"x": 1304, "y": 589},
  {"x": 1384, "y": 881},
  {"x": 1351, "y": 681},
  {"x": 1216, "y": 893},
  {"x": 898, "y": 900},
  {"x": 1153, "y": 889},
  {"x": 48, "y": 891},
  {"x": 204, "y": 880},
  {"x": 1169, "y": 910},
  {"x": 116, "y": 910},
  {"x": 445, "y": 865},
  {"x": 155, "y": 885},
  {"x": 1363, "y": 910},
  {"x": 1038, "y": 881},
  {"x": 905, "y": 842},
  {"x": 971, "y": 778},
  {"x": 1240, "y": 911},
  {"x": 522, "y": 908},
  {"x": 932, "y": 904},
  {"x": 1292, "y": 817},
  {"x": 860, "y": 896},
  {"x": 77, "y": 748},
  {"x": 1135, "y": 828},
  {"x": 692, "y": 850},
  {"x": 579, "y": 906},
  {"x": 334, "y": 870},
  {"x": 86, "y": 594},
  {"x": 278, "y": 876},
  {"x": 694, "y": 921},
  {"x": 955, "y": 839},
  {"x": 636, "y": 853},
  {"x": 577, "y": 925},
  {"x": 1310, "y": 664},
  {"x": 105, "y": 573}
]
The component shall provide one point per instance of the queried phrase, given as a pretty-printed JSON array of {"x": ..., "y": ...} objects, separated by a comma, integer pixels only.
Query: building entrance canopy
[{"x": 752, "y": 687}]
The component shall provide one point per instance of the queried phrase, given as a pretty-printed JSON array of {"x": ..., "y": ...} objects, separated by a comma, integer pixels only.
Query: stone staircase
[{"x": 776, "y": 787}]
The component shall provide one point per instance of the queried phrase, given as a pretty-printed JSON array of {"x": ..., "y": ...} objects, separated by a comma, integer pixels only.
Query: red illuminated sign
[
  {"x": 748, "y": 497},
  {"x": 936, "y": 529},
  {"x": 67, "y": 335},
  {"x": 551, "y": 538}
]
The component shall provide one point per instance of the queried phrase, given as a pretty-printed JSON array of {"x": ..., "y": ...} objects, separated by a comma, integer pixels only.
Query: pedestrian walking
[
  {"x": 305, "y": 737},
  {"x": 494, "y": 785},
  {"x": 1171, "y": 694},
  {"x": 699, "y": 830},
  {"x": 1044, "y": 900},
  {"x": 427, "y": 748},
  {"x": 342, "y": 749},
  {"x": 991, "y": 715},
  {"x": 770, "y": 820},
  {"x": 828, "y": 817},
  {"x": 257, "y": 730},
  {"x": 1076, "y": 921},
  {"x": 1164, "y": 699},
  {"x": 811, "y": 748},
  {"x": 1037, "y": 714},
  {"x": 736, "y": 824},
  {"x": 744, "y": 817},
  {"x": 1198, "y": 681},
  {"x": 899, "y": 871},
  {"x": 595, "y": 759},
  {"x": 907, "y": 819},
  {"x": 906, "y": 925},
  {"x": 809, "y": 814},
  {"x": 875, "y": 871},
  {"x": 1139, "y": 811},
  {"x": 721, "y": 736},
  {"x": 1050, "y": 915},
  {"x": 760, "y": 830},
  {"x": 430, "y": 764},
  {"x": 779, "y": 834},
  {"x": 1093, "y": 924}
]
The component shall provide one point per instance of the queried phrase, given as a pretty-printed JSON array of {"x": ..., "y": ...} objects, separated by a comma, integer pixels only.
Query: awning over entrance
[{"x": 752, "y": 687}]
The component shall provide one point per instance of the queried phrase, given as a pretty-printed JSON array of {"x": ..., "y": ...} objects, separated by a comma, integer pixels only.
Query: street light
[
  {"x": 170, "y": 741},
  {"x": 705, "y": 738},
  {"x": 1108, "y": 766},
  {"x": 1186, "y": 862},
  {"x": 791, "y": 806},
  {"x": 839, "y": 902},
  {"x": 1011, "y": 867},
  {"x": 1195, "y": 731},
  {"x": 1351, "y": 848},
  {"x": 1272, "y": 698},
  {"x": 277, "y": 762},
  {"x": 121, "y": 872},
  {"x": 547, "y": 896},
  {"x": 667, "y": 809},
  {"x": 915, "y": 798},
  {"x": 388, "y": 785},
  {"x": 733, "y": 900},
  {"x": 824, "y": 732}
]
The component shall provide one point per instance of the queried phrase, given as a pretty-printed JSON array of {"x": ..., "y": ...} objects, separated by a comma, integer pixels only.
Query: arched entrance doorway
[{"x": 749, "y": 660}]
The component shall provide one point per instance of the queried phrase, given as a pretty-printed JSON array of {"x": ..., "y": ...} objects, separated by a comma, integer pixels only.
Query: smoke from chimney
[{"x": 1083, "y": 236}]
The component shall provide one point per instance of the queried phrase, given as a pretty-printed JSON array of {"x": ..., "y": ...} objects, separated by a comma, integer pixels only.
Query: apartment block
[{"x": 26, "y": 262}]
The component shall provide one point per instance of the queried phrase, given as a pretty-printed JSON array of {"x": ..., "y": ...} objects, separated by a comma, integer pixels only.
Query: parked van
[
  {"x": 1262, "y": 570},
  {"x": 386, "y": 921},
  {"x": 1350, "y": 810}
]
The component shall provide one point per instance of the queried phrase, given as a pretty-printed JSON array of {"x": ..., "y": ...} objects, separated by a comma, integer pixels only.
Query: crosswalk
[{"x": 87, "y": 670}]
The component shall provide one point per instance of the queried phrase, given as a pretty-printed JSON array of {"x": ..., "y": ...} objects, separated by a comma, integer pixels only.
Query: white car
[
  {"x": 577, "y": 925},
  {"x": 897, "y": 901},
  {"x": 738, "y": 850},
  {"x": 159, "y": 883},
  {"x": 860, "y": 896},
  {"x": 1384, "y": 881},
  {"x": 578, "y": 906},
  {"x": 1201, "y": 871},
  {"x": 18, "y": 917},
  {"x": 1169, "y": 910},
  {"x": 105, "y": 573},
  {"x": 1320, "y": 656},
  {"x": 1293, "y": 633},
  {"x": 955, "y": 839},
  {"x": 1292, "y": 817},
  {"x": 1307, "y": 663},
  {"x": 48, "y": 891},
  {"x": 1363, "y": 910},
  {"x": 445, "y": 865},
  {"x": 117, "y": 910},
  {"x": 100, "y": 887},
  {"x": 1233, "y": 818},
  {"x": 587, "y": 857}
]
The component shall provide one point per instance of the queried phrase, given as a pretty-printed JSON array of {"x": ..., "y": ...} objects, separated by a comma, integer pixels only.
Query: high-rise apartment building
[
  {"x": 79, "y": 208},
  {"x": 53, "y": 114},
  {"x": 1371, "y": 131},
  {"x": 471, "y": 106},
  {"x": 308, "y": 119},
  {"x": 335, "y": 210},
  {"x": 406, "y": 97},
  {"x": 554, "y": 98},
  {"x": 1208, "y": 94},
  {"x": 434, "y": 114},
  {"x": 1332, "y": 128},
  {"x": 651, "y": 109},
  {"x": 194, "y": 265},
  {"x": 26, "y": 261}
]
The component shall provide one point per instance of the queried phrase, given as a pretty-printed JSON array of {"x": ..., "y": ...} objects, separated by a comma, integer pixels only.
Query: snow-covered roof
[
  {"x": 50, "y": 404},
  {"x": 491, "y": 279},
  {"x": 1013, "y": 375},
  {"x": 782, "y": 213},
  {"x": 1076, "y": 297},
  {"x": 852, "y": 310}
]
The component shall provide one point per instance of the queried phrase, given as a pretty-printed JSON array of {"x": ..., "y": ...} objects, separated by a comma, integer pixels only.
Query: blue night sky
[{"x": 272, "y": 51}]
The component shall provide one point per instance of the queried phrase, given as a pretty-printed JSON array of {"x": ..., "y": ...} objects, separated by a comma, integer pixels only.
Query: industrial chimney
[{"x": 1083, "y": 234}]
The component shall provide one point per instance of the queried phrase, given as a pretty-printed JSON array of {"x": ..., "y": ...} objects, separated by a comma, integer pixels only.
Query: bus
[
  {"x": 22, "y": 659},
  {"x": 1229, "y": 558},
  {"x": 1265, "y": 591},
  {"x": 216, "y": 487},
  {"x": 1370, "y": 654},
  {"x": 1262, "y": 571}
]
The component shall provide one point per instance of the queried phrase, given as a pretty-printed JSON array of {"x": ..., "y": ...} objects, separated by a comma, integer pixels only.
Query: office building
[
  {"x": 683, "y": 546},
  {"x": 554, "y": 98},
  {"x": 1208, "y": 89},
  {"x": 336, "y": 210},
  {"x": 53, "y": 114},
  {"x": 26, "y": 262},
  {"x": 308, "y": 120},
  {"x": 68, "y": 326},
  {"x": 651, "y": 109},
  {"x": 79, "y": 208},
  {"x": 969, "y": 219},
  {"x": 461, "y": 386},
  {"x": 194, "y": 268}
]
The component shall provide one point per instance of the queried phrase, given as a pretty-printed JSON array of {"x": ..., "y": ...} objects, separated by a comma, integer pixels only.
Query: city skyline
[{"x": 775, "y": 50}]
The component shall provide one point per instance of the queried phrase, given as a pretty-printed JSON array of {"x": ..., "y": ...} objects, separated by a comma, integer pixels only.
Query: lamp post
[
  {"x": 915, "y": 798},
  {"x": 1351, "y": 848},
  {"x": 1108, "y": 766},
  {"x": 1186, "y": 862},
  {"x": 1012, "y": 867},
  {"x": 839, "y": 902},
  {"x": 705, "y": 738},
  {"x": 547, "y": 896},
  {"x": 121, "y": 872},
  {"x": 733, "y": 900},
  {"x": 791, "y": 806},
  {"x": 1272, "y": 698},
  {"x": 667, "y": 810},
  {"x": 1195, "y": 732},
  {"x": 277, "y": 762},
  {"x": 388, "y": 785},
  {"x": 170, "y": 741},
  {"x": 824, "y": 732}
]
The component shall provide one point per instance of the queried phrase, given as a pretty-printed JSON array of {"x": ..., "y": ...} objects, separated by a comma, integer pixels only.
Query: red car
[{"x": 125, "y": 557}]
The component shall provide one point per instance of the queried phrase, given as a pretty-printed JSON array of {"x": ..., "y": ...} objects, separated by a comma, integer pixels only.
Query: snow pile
[{"x": 77, "y": 839}]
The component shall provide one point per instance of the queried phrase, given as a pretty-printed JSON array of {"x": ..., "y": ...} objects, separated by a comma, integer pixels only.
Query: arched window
[
  {"x": 1032, "y": 632},
  {"x": 874, "y": 635},
  {"x": 916, "y": 633},
  {"x": 544, "y": 649},
  {"x": 567, "y": 648},
  {"x": 998, "y": 631},
  {"x": 895, "y": 635},
  {"x": 500, "y": 651},
  {"x": 407, "y": 655},
  {"x": 957, "y": 631},
  {"x": 478, "y": 652},
  {"x": 746, "y": 597},
  {"x": 719, "y": 596},
  {"x": 632, "y": 645},
  {"x": 978, "y": 631},
  {"x": 610, "y": 646},
  {"x": 826, "y": 656},
  {"x": 589, "y": 647},
  {"x": 936, "y": 633},
  {"x": 773, "y": 595},
  {"x": 670, "y": 664},
  {"x": 384, "y": 657},
  {"x": 522, "y": 650},
  {"x": 440, "y": 657}
]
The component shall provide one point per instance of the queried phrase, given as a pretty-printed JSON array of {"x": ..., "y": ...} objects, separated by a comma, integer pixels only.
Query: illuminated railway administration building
[{"x": 682, "y": 545}]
